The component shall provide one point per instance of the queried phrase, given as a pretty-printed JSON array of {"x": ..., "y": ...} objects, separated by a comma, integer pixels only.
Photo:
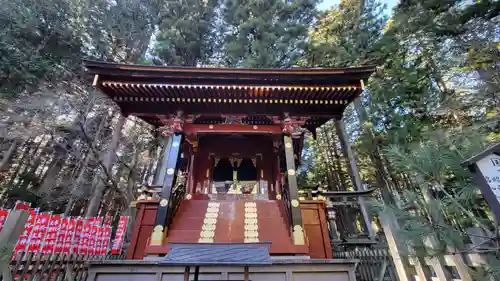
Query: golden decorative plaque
[
  {"x": 209, "y": 221},
  {"x": 157, "y": 235},
  {"x": 250, "y": 210},
  {"x": 251, "y": 234},
  {"x": 211, "y": 215},
  {"x": 250, "y": 215},
  {"x": 291, "y": 172},
  {"x": 251, "y": 221},
  {"x": 278, "y": 196},
  {"x": 207, "y": 234},
  {"x": 295, "y": 203},
  {"x": 206, "y": 240},
  {"x": 298, "y": 235},
  {"x": 208, "y": 227},
  {"x": 163, "y": 202},
  {"x": 251, "y": 240},
  {"x": 213, "y": 209},
  {"x": 251, "y": 227},
  {"x": 250, "y": 204}
]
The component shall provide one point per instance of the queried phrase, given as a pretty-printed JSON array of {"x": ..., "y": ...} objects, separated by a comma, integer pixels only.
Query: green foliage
[
  {"x": 38, "y": 40},
  {"x": 188, "y": 32},
  {"x": 429, "y": 106},
  {"x": 269, "y": 33},
  {"x": 347, "y": 35},
  {"x": 444, "y": 201}
]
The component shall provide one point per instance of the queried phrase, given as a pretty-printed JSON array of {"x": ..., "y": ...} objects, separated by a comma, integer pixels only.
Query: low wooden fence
[
  {"x": 375, "y": 264},
  {"x": 51, "y": 267}
]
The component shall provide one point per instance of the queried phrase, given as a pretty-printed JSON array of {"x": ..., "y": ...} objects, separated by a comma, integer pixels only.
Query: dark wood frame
[{"x": 480, "y": 180}]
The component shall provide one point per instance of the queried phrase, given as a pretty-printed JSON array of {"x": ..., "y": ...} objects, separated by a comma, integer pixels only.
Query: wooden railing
[
  {"x": 176, "y": 196},
  {"x": 287, "y": 202}
]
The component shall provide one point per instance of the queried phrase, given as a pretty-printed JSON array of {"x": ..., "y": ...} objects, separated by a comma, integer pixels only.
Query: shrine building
[{"x": 230, "y": 142}]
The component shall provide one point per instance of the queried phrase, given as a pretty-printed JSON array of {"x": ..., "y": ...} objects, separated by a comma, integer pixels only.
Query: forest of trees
[{"x": 433, "y": 102}]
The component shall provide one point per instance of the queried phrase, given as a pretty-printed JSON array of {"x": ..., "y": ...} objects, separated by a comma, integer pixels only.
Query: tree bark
[
  {"x": 107, "y": 163},
  {"x": 81, "y": 175},
  {"x": 353, "y": 170},
  {"x": 380, "y": 174},
  {"x": 7, "y": 155},
  {"x": 56, "y": 165}
]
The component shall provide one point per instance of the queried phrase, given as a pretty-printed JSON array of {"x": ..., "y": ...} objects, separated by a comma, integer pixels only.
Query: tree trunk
[
  {"x": 333, "y": 183},
  {"x": 81, "y": 175},
  {"x": 50, "y": 179},
  {"x": 380, "y": 174},
  {"x": 27, "y": 150},
  {"x": 353, "y": 170},
  {"x": 7, "y": 155},
  {"x": 107, "y": 164}
]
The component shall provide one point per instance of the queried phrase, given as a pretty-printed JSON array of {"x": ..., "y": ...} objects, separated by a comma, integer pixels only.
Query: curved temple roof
[{"x": 147, "y": 91}]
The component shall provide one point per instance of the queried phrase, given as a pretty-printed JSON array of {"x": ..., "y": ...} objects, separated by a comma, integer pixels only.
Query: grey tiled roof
[{"x": 218, "y": 254}]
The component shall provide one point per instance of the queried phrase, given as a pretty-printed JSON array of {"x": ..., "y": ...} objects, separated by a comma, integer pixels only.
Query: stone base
[{"x": 280, "y": 270}]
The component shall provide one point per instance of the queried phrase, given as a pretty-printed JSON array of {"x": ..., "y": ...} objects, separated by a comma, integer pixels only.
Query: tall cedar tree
[
  {"x": 187, "y": 34},
  {"x": 265, "y": 33}
]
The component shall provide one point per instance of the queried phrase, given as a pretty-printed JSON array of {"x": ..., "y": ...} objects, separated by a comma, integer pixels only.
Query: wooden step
[
  {"x": 186, "y": 225},
  {"x": 230, "y": 223}
]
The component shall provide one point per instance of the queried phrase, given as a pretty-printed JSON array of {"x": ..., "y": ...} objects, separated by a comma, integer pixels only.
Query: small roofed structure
[{"x": 231, "y": 142}]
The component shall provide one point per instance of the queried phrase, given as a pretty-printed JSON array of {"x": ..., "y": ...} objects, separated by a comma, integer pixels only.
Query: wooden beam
[
  {"x": 297, "y": 228},
  {"x": 186, "y": 273},
  {"x": 246, "y": 274},
  {"x": 161, "y": 167},
  {"x": 222, "y": 115},
  {"x": 227, "y": 128},
  {"x": 172, "y": 165}
]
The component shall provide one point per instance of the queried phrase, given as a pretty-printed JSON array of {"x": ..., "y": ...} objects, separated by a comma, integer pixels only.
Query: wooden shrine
[{"x": 231, "y": 142}]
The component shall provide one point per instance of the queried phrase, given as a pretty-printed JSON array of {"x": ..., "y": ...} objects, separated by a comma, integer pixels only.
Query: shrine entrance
[
  {"x": 235, "y": 176},
  {"x": 235, "y": 167}
]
